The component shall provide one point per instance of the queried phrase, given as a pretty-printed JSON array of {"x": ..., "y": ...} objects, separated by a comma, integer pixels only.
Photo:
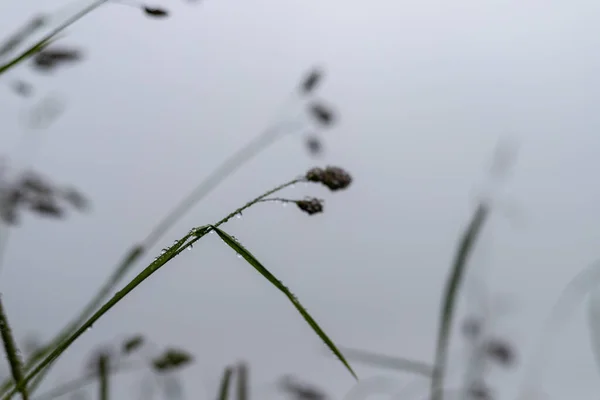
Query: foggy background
[{"x": 424, "y": 90}]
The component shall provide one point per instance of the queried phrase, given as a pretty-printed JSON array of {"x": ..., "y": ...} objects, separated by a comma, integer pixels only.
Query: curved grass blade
[
  {"x": 164, "y": 258},
  {"x": 451, "y": 295},
  {"x": 225, "y": 380},
  {"x": 389, "y": 362},
  {"x": 242, "y": 251}
]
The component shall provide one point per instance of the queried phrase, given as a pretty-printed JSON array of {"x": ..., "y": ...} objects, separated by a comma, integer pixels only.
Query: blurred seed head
[
  {"x": 17, "y": 38},
  {"x": 501, "y": 352},
  {"x": 50, "y": 58},
  {"x": 311, "y": 81},
  {"x": 300, "y": 391},
  {"x": 471, "y": 328},
  {"x": 132, "y": 344},
  {"x": 310, "y": 206},
  {"x": 155, "y": 12},
  {"x": 30, "y": 191},
  {"x": 171, "y": 359},
  {"x": 334, "y": 178},
  {"x": 322, "y": 114},
  {"x": 480, "y": 391},
  {"x": 314, "y": 145},
  {"x": 22, "y": 88}
]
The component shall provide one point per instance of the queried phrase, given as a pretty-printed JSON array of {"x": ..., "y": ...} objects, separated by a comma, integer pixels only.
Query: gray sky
[{"x": 424, "y": 90}]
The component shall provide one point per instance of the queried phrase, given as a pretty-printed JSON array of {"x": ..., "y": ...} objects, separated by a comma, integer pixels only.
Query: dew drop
[
  {"x": 89, "y": 328},
  {"x": 292, "y": 186},
  {"x": 239, "y": 255},
  {"x": 284, "y": 203},
  {"x": 238, "y": 216},
  {"x": 190, "y": 246},
  {"x": 163, "y": 251}
]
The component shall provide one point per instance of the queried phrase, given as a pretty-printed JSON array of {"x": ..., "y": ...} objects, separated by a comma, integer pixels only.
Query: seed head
[
  {"x": 311, "y": 81},
  {"x": 49, "y": 58},
  {"x": 501, "y": 352},
  {"x": 310, "y": 205},
  {"x": 334, "y": 178},
  {"x": 322, "y": 114},
  {"x": 30, "y": 191},
  {"x": 314, "y": 145}
]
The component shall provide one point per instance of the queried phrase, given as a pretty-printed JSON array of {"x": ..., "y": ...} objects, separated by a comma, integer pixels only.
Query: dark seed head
[
  {"x": 310, "y": 206},
  {"x": 334, "y": 178},
  {"x": 311, "y": 81},
  {"x": 155, "y": 12},
  {"x": 471, "y": 328},
  {"x": 48, "y": 59},
  {"x": 322, "y": 114},
  {"x": 314, "y": 145},
  {"x": 501, "y": 352}
]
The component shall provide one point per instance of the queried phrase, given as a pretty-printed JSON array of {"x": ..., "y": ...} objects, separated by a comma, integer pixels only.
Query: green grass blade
[
  {"x": 389, "y": 362},
  {"x": 164, "y": 258},
  {"x": 242, "y": 381},
  {"x": 238, "y": 248},
  {"x": 225, "y": 381},
  {"x": 451, "y": 292},
  {"x": 12, "y": 353}
]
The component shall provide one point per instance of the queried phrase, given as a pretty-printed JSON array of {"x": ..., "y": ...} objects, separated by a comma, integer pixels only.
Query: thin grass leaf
[
  {"x": 389, "y": 362},
  {"x": 164, "y": 258},
  {"x": 103, "y": 373},
  {"x": 225, "y": 381},
  {"x": 241, "y": 250},
  {"x": 12, "y": 353},
  {"x": 450, "y": 297},
  {"x": 242, "y": 381}
]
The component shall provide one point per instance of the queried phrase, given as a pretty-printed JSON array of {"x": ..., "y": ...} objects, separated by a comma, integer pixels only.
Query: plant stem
[
  {"x": 451, "y": 293},
  {"x": 12, "y": 353},
  {"x": 103, "y": 373},
  {"x": 242, "y": 381}
]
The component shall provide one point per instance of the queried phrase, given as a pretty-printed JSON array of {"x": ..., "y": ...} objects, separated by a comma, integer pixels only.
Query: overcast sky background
[{"x": 424, "y": 90}]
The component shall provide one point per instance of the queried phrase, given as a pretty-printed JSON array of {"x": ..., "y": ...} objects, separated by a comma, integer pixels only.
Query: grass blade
[
  {"x": 103, "y": 373},
  {"x": 451, "y": 295},
  {"x": 225, "y": 380},
  {"x": 12, "y": 353},
  {"x": 389, "y": 362},
  {"x": 238, "y": 248},
  {"x": 242, "y": 381},
  {"x": 164, "y": 258}
]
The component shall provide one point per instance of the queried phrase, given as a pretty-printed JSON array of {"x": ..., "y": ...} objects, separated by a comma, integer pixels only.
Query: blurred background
[{"x": 424, "y": 91}]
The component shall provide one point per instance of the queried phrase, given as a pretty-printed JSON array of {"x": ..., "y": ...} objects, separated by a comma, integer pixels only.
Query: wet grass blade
[
  {"x": 163, "y": 259},
  {"x": 389, "y": 362},
  {"x": 242, "y": 251},
  {"x": 225, "y": 380},
  {"x": 12, "y": 353},
  {"x": 451, "y": 295}
]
